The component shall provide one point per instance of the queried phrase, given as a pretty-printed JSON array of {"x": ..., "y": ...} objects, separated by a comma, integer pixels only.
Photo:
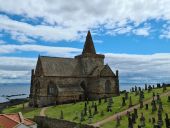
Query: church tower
[{"x": 89, "y": 59}]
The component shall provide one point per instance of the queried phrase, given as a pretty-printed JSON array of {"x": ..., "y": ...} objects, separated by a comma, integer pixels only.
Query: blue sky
[{"x": 134, "y": 35}]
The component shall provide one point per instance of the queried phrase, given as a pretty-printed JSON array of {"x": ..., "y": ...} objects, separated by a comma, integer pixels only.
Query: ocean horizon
[{"x": 8, "y": 89}]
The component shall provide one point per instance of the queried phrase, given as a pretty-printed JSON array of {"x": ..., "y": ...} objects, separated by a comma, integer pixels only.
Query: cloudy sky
[{"x": 133, "y": 34}]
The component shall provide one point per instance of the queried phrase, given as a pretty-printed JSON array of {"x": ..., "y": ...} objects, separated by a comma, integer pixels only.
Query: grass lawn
[
  {"x": 71, "y": 110},
  {"x": 27, "y": 111},
  {"x": 147, "y": 114}
]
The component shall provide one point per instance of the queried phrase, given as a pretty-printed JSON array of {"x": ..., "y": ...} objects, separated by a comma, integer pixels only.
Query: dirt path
[
  {"x": 113, "y": 117},
  {"x": 42, "y": 112}
]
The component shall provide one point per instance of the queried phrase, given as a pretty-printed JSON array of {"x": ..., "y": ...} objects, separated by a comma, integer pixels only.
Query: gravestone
[
  {"x": 95, "y": 109},
  {"x": 146, "y": 87},
  {"x": 167, "y": 121},
  {"x": 154, "y": 108},
  {"x": 136, "y": 112},
  {"x": 160, "y": 106},
  {"x": 146, "y": 106},
  {"x": 160, "y": 121},
  {"x": 123, "y": 101},
  {"x": 100, "y": 101},
  {"x": 142, "y": 120},
  {"x": 130, "y": 124},
  {"x": 168, "y": 98},
  {"x": 130, "y": 101},
  {"x": 133, "y": 118},
  {"x": 141, "y": 104},
  {"x": 126, "y": 95},
  {"x": 153, "y": 120},
  {"x": 117, "y": 121}
]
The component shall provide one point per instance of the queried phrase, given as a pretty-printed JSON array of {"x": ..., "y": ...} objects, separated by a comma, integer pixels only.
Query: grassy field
[
  {"x": 26, "y": 111},
  {"x": 72, "y": 110},
  {"x": 147, "y": 114}
]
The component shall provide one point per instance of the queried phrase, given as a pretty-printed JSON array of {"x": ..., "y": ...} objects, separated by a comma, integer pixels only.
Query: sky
[{"x": 134, "y": 35}]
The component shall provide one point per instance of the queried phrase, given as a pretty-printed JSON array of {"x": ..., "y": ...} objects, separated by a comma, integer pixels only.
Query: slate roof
[
  {"x": 55, "y": 66},
  {"x": 89, "y": 45}
]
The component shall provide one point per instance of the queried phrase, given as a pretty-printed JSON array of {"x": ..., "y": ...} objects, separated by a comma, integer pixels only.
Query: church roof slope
[{"x": 55, "y": 66}]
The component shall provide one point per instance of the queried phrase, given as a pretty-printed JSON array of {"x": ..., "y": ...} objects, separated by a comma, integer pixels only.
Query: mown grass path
[
  {"x": 113, "y": 117},
  {"x": 42, "y": 112}
]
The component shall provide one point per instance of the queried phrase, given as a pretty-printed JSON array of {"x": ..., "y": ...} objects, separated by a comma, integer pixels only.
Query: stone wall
[{"x": 46, "y": 122}]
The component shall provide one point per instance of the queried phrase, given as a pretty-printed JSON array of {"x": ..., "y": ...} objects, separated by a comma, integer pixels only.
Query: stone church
[{"x": 58, "y": 80}]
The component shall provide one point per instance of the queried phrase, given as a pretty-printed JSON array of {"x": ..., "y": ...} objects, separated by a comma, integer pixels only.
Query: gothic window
[
  {"x": 51, "y": 89},
  {"x": 108, "y": 88},
  {"x": 37, "y": 88},
  {"x": 83, "y": 86}
]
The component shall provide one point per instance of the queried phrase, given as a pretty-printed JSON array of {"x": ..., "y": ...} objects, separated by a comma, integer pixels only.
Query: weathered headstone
[
  {"x": 117, "y": 121},
  {"x": 160, "y": 106},
  {"x": 133, "y": 118},
  {"x": 168, "y": 98},
  {"x": 95, "y": 109},
  {"x": 167, "y": 121},
  {"x": 61, "y": 115},
  {"x": 146, "y": 87},
  {"x": 158, "y": 85},
  {"x": 153, "y": 120},
  {"x": 141, "y": 104},
  {"x": 136, "y": 112},
  {"x": 146, "y": 106},
  {"x": 142, "y": 120},
  {"x": 154, "y": 108},
  {"x": 160, "y": 121},
  {"x": 130, "y": 101},
  {"x": 126, "y": 95},
  {"x": 100, "y": 101},
  {"x": 123, "y": 101},
  {"x": 130, "y": 123}
]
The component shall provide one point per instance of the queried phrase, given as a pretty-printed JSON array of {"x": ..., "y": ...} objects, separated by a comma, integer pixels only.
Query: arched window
[
  {"x": 108, "y": 88},
  {"x": 37, "y": 87},
  {"x": 52, "y": 89},
  {"x": 83, "y": 86}
]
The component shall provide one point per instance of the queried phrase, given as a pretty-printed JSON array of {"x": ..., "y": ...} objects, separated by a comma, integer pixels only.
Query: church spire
[{"x": 89, "y": 46}]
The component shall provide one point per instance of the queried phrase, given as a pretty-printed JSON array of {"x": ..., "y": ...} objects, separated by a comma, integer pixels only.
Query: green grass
[
  {"x": 147, "y": 114},
  {"x": 71, "y": 110},
  {"x": 27, "y": 111}
]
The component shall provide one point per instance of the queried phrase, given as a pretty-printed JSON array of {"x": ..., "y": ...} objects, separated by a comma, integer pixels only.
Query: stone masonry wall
[{"x": 46, "y": 122}]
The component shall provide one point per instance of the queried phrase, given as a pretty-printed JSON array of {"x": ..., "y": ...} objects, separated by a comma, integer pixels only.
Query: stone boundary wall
[{"x": 46, "y": 122}]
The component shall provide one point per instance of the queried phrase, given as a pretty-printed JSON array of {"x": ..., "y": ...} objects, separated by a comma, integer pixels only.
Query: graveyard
[{"x": 91, "y": 112}]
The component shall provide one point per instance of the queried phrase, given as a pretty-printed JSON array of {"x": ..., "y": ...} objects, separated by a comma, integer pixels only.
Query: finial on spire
[{"x": 89, "y": 46}]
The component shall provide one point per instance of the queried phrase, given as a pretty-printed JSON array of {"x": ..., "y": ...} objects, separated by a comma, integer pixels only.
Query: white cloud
[
  {"x": 63, "y": 20},
  {"x": 2, "y": 42},
  {"x": 141, "y": 68},
  {"x": 47, "y": 50},
  {"x": 141, "y": 31},
  {"x": 132, "y": 68}
]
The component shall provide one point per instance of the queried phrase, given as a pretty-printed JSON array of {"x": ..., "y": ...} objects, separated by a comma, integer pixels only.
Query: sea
[{"x": 22, "y": 90}]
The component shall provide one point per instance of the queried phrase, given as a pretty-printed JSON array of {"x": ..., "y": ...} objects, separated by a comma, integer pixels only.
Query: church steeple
[{"x": 89, "y": 46}]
